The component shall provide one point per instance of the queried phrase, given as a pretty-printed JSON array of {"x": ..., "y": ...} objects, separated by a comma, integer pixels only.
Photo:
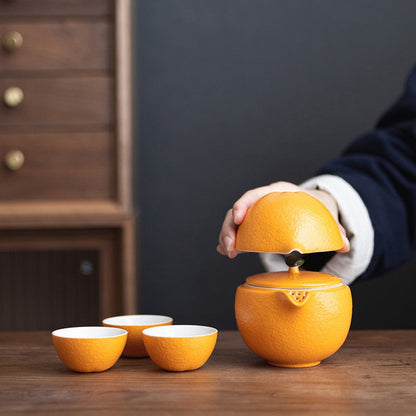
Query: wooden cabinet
[{"x": 66, "y": 218}]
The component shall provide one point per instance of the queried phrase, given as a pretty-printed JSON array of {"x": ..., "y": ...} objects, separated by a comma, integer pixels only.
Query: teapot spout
[{"x": 297, "y": 297}]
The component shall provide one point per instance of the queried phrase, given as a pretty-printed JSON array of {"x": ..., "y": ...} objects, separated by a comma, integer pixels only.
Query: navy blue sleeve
[{"x": 381, "y": 166}]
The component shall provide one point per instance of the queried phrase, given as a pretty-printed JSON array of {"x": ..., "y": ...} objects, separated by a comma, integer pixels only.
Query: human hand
[{"x": 235, "y": 216}]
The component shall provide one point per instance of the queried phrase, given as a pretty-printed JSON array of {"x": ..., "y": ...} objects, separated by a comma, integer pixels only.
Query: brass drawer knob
[
  {"x": 12, "y": 41},
  {"x": 14, "y": 159},
  {"x": 13, "y": 96}
]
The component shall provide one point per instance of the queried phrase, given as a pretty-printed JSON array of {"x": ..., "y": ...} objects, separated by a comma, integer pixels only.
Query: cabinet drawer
[
  {"x": 59, "y": 101},
  {"x": 67, "y": 45},
  {"x": 31, "y": 8},
  {"x": 59, "y": 166}
]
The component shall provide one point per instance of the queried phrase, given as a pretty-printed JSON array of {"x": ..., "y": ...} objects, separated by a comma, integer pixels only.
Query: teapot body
[{"x": 293, "y": 326}]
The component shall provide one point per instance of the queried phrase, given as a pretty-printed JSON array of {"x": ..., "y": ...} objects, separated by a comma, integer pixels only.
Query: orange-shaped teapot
[{"x": 292, "y": 318}]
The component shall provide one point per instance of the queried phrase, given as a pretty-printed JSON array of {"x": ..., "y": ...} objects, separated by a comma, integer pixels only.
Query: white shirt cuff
[{"x": 355, "y": 219}]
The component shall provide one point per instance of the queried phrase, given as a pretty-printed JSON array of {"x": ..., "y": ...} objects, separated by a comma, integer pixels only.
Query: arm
[
  {"x": 373, "y": 184},
  {"x": 381, "y": 167}
]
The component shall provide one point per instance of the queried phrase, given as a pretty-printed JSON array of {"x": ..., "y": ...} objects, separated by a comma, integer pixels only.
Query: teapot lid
[{"x": 294, "y": 279}]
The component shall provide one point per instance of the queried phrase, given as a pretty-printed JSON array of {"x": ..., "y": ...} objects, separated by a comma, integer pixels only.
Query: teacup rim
[
  {"x": 170, "y": 331},
  {"x": 118, "y": 320},
  {"x": 89, "y": 332}
]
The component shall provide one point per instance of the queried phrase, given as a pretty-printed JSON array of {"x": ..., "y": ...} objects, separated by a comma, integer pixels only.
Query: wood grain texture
[
  {"x": 31, "y": 284},
  {"x": 59, "y": 166},
  {"x": 374, "y": 373},
  {"x": 53, "y": 8},
  {"x": 124, "y": 102},
  {"x": 60, "y": 102},
  {"x": 56, "y": 285},
  {"x": 74, "y": 130},
  {"x": 64, "y": 46}
]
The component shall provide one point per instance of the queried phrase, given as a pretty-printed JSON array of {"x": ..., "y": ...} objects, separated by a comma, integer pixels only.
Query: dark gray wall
[{"x": 234, "y": 94}]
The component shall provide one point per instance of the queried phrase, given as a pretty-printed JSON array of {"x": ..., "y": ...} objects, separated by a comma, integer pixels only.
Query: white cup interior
[
  {"x": 89, "y": 332},
  {"x": 139, "y": 320},
  {"x": 180, "y": 331}
]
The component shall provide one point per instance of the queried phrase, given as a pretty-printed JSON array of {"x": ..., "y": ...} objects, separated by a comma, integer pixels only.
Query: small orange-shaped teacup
[
  {"x": 180, "y": 347},
  {"x": 134, "y": 325},
  {"x": 89, "y": 348}
]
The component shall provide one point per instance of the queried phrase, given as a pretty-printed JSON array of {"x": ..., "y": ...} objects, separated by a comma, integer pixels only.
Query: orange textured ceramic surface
[
  {"x": 135, "y": 345},
  {"x": 293, "y": 327},
  {"x": 97, "y": 353},
  {"x": 294, "y": 278},
  {"x": 180, "y": 353},
  {"x": 281, "y": 222}
]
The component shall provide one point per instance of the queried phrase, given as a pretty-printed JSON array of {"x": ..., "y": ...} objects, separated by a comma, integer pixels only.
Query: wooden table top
[{"x": 373, "y": 373}]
